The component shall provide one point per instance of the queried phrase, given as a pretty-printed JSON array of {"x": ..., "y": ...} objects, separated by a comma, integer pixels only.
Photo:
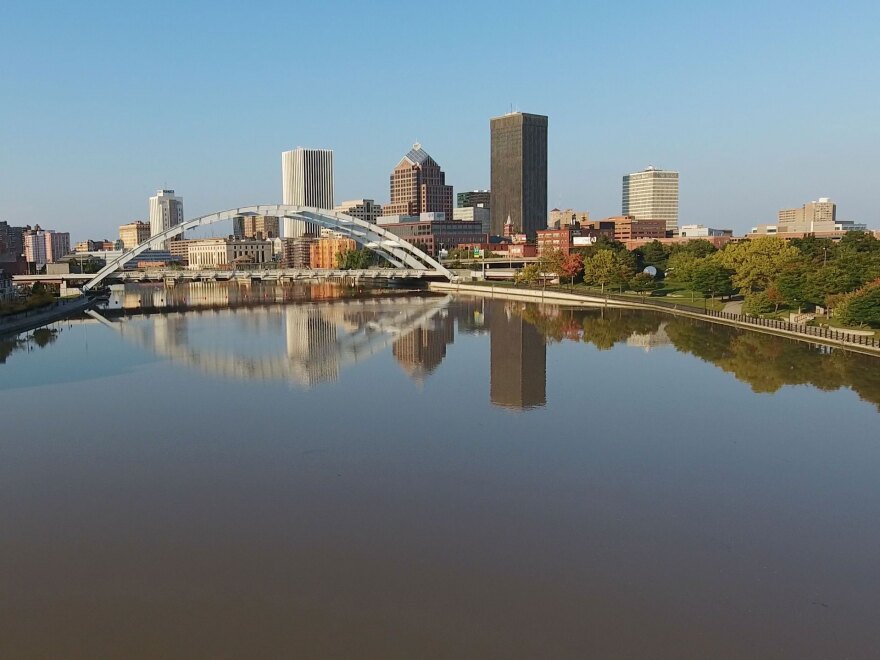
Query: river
[{"x": 220, "y": 470}]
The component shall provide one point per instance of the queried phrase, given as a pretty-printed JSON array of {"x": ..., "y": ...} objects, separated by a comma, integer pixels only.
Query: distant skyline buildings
[
  {"x": 652, "y": 194},
  {"x": 518, "y": 164},
  {"x": 45, "y": 246},
  {"x": 701, "y": 121},
  {"x": 306, "y": 180}
]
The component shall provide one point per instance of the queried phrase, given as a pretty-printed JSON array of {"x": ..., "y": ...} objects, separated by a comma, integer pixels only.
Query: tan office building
[
  {"x": 418, "y": 185},
  {"x": 560, "y": 219},
  {"x": 133, "y": 234},
  {"x": 815, "y": 216},
  {"x": 652, "y": 194},
  {"x": 363, "y": 209},
  {"x": 259, "y": 227}
]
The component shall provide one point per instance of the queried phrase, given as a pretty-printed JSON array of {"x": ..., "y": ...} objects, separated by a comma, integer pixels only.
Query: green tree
[
  {"x": 794, "y": 286},
  {"x": 698, "y": 248},
  {"x": 642, "y": 283},
  {"x": 355, "y": 259},
  {"x": 607, "y": 267},
  {"x": 551, "y": 261},
  {"x": 859, "y": 241},
  {"x": 861, "y": 307},
  {"x": 711, "y": 278},
  {"x": 682, "y": 266},
  {"x": 757, "y": 262},
  {"x": 758, "y": 303},
  {"x": 814, "y": 249},
  {"x": 528, "y": 274},
  {"x": 652, "y": 254}
]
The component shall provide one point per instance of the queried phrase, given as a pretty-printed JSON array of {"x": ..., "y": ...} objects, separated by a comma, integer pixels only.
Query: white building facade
[
  {"x": 652, "y": 194},
  {"x": 306, "y": 180},
  {"x": 166, "y": 211}
]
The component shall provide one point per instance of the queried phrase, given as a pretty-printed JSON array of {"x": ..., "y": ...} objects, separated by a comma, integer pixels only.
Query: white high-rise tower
[
  {"x": 652, "y": 194},
  {"x": 166, "y": 210},
  {"x": 306, "y": 180}
]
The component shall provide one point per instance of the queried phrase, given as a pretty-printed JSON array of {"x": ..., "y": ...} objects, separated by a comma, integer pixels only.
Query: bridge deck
[{"x": 277, "y": 274}]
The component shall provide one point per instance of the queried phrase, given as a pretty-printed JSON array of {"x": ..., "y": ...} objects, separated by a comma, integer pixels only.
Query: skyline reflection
[{"x": 308, "y": 335}]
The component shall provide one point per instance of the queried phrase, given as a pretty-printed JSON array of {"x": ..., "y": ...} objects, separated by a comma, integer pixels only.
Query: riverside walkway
[
  {"x": 31, "y": 319},
  {"x": 860, "y": 342}
]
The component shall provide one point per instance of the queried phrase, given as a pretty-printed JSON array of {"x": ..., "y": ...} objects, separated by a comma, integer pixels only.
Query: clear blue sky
[{"x": 759, "y": 105}]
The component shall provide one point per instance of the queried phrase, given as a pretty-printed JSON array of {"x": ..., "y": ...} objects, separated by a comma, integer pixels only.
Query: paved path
[{"x": 733, "y": 307}]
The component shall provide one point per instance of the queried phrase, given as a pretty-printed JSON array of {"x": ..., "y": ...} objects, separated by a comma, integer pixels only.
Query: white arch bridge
[{"x": 396, "y": 251}]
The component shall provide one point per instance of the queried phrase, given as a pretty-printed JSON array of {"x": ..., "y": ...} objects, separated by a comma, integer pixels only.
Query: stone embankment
[{"x": 24, "y": 321}]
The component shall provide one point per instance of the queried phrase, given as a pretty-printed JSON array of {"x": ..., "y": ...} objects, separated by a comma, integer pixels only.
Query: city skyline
[{"x": 738, "y": 96}]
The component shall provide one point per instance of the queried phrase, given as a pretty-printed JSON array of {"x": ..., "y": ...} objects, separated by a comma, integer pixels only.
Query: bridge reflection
[
  {"x": 320, "y": 338},
  {"x": 325, "y": 329}
]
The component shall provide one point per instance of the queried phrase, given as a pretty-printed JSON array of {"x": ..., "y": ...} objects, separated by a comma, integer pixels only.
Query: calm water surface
[{"x": 307, "y": 472}]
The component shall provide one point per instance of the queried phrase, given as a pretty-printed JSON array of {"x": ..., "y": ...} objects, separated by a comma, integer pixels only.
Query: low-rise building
[
  {"x": 471, "y": 198},
  {"x": 296, "y": 252},
  {"x": 521, "y": 250},
  {"x": 433, "y": 236},
  {"x": 227, "y": 252},
  {"x": 323, "y": 252},
  {"x": 559, "y": 219},
  {"x": 93, "y": 246},
  {"x": 430, "y": 216},
  {"x": 477, "y": 214},
  {"x": 179, "y": 249},
  {"x": 548, "y": 240},
  {"x": 627, "y": 228},
  {"x": 702, "y": 231}
]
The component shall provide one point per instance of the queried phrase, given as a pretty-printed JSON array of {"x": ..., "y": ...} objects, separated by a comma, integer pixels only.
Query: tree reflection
[
  {"x": 766, "y": 362},
  {"x": 41, "y": 337}
]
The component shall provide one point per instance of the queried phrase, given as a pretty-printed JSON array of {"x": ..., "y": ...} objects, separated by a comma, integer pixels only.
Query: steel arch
[{"x": 394, "y": 249}]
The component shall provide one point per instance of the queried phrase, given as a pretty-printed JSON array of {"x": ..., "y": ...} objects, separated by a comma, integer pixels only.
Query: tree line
[{"x": 770, "y": 273}]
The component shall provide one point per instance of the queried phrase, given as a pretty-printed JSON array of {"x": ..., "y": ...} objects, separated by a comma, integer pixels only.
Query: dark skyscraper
[
  {"x": 519, "y": 172},
  {"x": 518, "y": 360}
]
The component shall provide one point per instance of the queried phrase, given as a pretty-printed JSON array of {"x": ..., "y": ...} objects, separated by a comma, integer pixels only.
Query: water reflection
[
  {"x": 319, "y": 330},
  {"x": 39, "y": 338},
  {"x": 518, "y": 358},
  {"x": 320, "y": 338},
  {"x": 766, "y": 362}
]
